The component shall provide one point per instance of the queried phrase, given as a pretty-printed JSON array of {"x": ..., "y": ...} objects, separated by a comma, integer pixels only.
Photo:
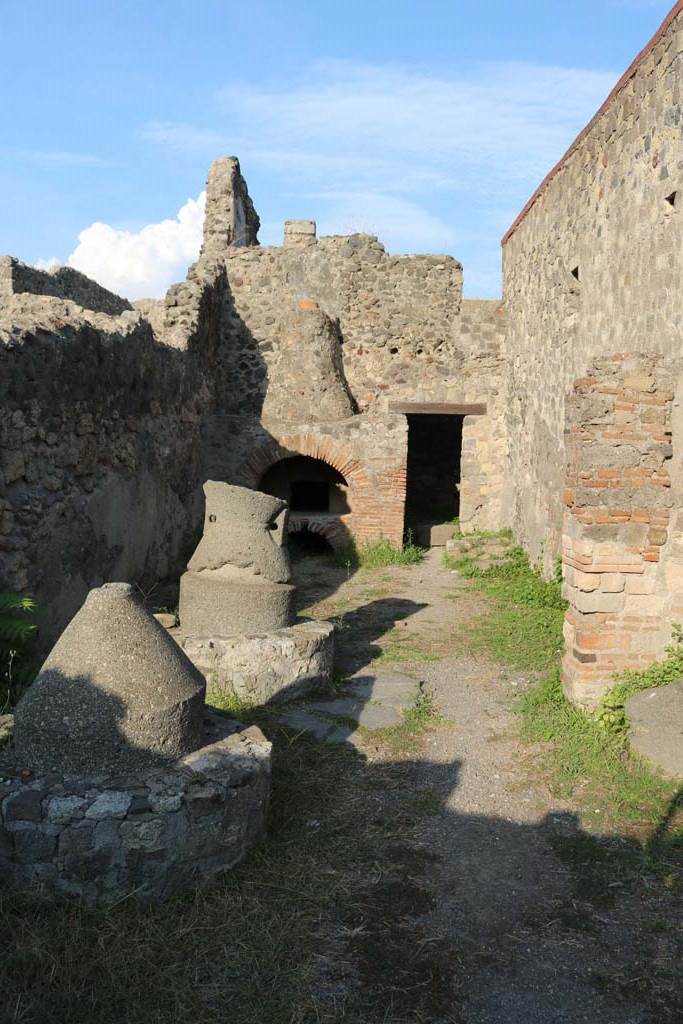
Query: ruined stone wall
[
  {"x": 593, "y": 267},
  {"x": 61, "y": 282},
  {"x": 100, "y": 456},
  {"x": 405, "y": 335},
  {"x": 623, "y": 539}
]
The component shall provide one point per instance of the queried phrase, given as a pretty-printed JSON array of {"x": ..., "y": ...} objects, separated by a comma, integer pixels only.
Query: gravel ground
[{"x": 527, "y": 944}]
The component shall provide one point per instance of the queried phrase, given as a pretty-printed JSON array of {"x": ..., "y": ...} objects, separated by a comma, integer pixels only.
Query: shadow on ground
[{"x": 350, "y": 912}]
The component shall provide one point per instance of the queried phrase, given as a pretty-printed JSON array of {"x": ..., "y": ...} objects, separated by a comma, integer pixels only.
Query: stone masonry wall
[
  {"x": 593, "y": 267},
  {"x": 405, "y": 335},
  {"x": 100, "y": 456},
  {"x": 62, "y": 283},
  {"x": 622, "y": 550},
  {"x": 147, "y": 834}
]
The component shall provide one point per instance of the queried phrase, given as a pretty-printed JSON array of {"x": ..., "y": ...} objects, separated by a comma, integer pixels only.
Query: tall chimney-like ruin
[{"x": 230, "y": 217}]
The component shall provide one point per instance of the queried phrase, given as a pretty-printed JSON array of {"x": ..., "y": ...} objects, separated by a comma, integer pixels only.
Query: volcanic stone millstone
[{"x": 115, "y": 692}]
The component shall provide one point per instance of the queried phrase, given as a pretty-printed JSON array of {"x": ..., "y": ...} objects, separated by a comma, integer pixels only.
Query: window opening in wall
[
  {"x": 671, "y": 198},
  {"x": 433, "y": 480},
  {"x": 308, "y": 486}
]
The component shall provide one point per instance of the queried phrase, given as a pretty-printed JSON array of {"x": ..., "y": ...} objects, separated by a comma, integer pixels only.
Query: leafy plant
[
  {"x": 16, "y": 632},
  {"x": 611, "y": 712}
]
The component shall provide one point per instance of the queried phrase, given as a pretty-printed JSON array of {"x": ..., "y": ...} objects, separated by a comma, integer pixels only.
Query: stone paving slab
[
  {"x": 656, "y": 717},
  {"x": 390, "y": 688},
  {"x": 321, "y": 729},
  {"x": 371, "y": 716},
  {"x": 375, "y": 701}
]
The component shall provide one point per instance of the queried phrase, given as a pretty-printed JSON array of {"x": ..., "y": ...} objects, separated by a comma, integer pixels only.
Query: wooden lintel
[{"x": 438, "y": 409}]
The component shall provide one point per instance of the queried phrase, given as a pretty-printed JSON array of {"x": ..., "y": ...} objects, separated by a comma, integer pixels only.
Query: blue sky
[{"x": 428, "y": 123}]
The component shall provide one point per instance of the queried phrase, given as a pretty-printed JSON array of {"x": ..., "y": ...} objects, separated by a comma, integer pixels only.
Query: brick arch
[
  {"x": 335, "y": 532},
  {"x": 335, "y": 453}
]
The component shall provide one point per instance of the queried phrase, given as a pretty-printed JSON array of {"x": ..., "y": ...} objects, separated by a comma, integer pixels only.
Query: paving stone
[
  {"x": 389, "y": 688},
  {"x": 319, "y": 728},
  {"x": 371, "y": 716},
  {"x": 656, "y": 718}
]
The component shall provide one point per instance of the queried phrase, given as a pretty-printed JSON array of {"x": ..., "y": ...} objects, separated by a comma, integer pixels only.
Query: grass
[
  {"x": 398, "y": 646},
  {"x": 612, "y": 709},
  {"x": 408, "y": 735},
  {"x": 523, "y": 628},
  {"x": 377, "y": 554},
  {"x": 585, "y": 762},
  {"x": 585, "y": 756},
  {"x": 259, "y": 944}
]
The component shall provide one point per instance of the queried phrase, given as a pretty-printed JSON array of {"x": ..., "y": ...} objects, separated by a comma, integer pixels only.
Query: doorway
[{"x": 433, "y": 477}]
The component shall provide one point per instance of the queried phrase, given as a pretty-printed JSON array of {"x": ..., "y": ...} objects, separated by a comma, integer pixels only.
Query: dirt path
[
  {"x": 419, "y": 873},
  {"x": 514, "y": 902}
]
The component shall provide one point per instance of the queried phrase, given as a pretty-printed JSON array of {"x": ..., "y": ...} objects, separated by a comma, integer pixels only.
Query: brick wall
[
  {"x": 369, "y": 452},
  {"x": 621, "y": 567}
]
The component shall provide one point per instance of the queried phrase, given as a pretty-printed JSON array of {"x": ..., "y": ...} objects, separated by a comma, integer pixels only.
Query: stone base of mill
[
  {"x": 214, "y": 605},
  {"x": 149, "y": 833},
  {"x": 264, "y": 667}
]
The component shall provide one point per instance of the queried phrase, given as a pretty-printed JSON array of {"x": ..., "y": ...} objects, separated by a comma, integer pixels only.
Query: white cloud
[
  {"x": 421, "y": 159},
  {"x": 417, "y": 157},
  {"x": 141, "y": 264}
]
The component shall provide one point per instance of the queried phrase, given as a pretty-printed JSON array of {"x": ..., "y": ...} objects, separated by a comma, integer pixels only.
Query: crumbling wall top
[
  {"x": 230, "y": 217},
  {"x": 61, "y": 283}
]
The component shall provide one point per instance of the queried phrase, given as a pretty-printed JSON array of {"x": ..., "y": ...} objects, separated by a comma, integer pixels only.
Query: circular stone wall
[
  {"x": 152, "y": 832},
  {"x": 263, "y": 667}
]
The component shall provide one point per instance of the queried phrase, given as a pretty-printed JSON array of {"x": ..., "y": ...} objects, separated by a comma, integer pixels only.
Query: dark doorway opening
[
  {"x": 307, "y": 485},
  {"x": 306, "y": 542},
  {"x": 434, "y": 454},
  {"x": 309, "y": 496}
]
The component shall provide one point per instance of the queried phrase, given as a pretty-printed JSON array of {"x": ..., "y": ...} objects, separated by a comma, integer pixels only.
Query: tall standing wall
[{"x": 593, "y": 266}]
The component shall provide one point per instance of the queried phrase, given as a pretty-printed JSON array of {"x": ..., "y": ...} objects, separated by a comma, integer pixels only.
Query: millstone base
[
  {"x": 150, "y": 832},
  {"x": 264, "y": 667},
  {"x": 212, "y": 605}
]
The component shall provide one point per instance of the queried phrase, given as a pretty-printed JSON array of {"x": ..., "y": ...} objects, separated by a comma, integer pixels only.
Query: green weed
[
  {"x": 587, "y": 763},
  {"x": 524, "y": 624},
  {"x": 611, "y": 712},
  {"x": 377, "y": 554},
  {"x": 407, "y": 736},
  {"x": 17, "y": 631}
]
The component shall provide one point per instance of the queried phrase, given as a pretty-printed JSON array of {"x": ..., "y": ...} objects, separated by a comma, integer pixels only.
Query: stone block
[
  {"x": 63, "y": 809},
  {"x": 24, "y": 805},
  {"x": 264, "y": 667},
  {"x": 586, "y": 581},
  {"x": 214, "y": 606},
  {"x": 656, "y": 726},
  {"x": 435, "y": 535},
  {"x": 595, "y": 601},
  {"x": 166, "y": 619},
  {"x": 111, "y": 804},
  {"x": 612, "y": 583}
]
